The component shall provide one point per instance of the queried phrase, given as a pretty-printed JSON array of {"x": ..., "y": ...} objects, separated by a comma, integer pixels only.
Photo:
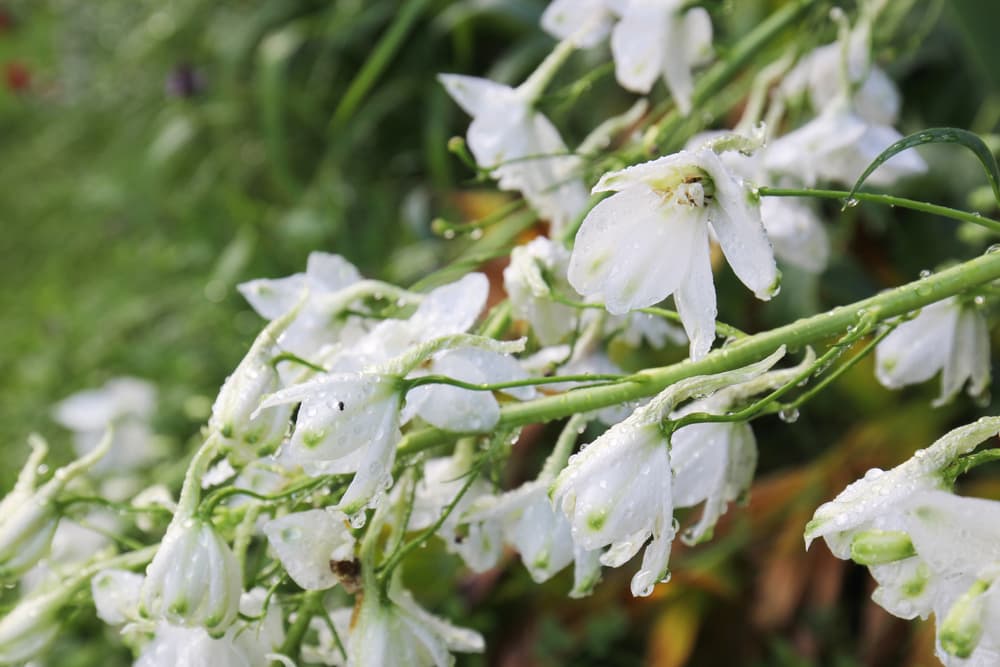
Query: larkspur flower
[
  {"x": 865, "y": 502},
  {"x": 537, "y": 269},
  {"x": 350, "y": 422},
  {"x": 618, "y": 492},
  {"x": 655, "y": 38},
  {"x": 127, "y": 404},
  {"x": 195, "y": 579},
  {"x": 28, "y": 516},
  {"x": 520, "y": 147},
  {"x": 949, "y": 336},
  {"x": 326, "y": 276},
  {"x": 651, "y": 239}
]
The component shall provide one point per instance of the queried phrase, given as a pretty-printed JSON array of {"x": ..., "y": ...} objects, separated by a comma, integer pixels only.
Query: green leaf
[{"x": 940, "y": 135}]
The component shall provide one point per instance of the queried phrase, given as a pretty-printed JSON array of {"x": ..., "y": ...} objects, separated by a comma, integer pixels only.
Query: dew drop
[
  {"x": 789, "y": 415},
  {"x": 358, "y": 520},
  {"x": 925, "y": 273}
]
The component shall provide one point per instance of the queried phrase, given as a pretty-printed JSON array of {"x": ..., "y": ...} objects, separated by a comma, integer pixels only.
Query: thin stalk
[
  {"x": 888, "y": 200},
  {"x": 888, "y": 305}
]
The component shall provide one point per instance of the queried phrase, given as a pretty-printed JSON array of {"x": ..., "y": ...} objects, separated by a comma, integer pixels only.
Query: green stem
[
  {"x": 296, "y": 359},
  {"x": 312, "y": 602},
  {"x": 379, "y": 59},
  {"x": 191, "y": 490},
  {"x": 526, "y": 382},
  {"x": 890, "y": 304},
  {"x": 385, "y": 570},
  {"x": 564, "y": 446},
  {"x": 888, "y": 200}
]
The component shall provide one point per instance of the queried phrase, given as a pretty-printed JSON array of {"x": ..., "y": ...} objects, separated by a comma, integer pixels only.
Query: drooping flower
[
  {"x": 195, "y": 579},
  {"x": 520, "y": 147},
  {"x": 394, "y": 631},
  {"x": 308, "y": 542},
  {"x": 651, "y": 240},
  {"x": 127, "y": 404},
  {"x": 865, "y": 503},
  {"x": 315, "y": 327},
  {"x": 618, "y": 492},
  {"x": 35, "y": 620},
  {"x": 949, "y": 336},
  {"x": 655, "y": 38},
  {"x": 28, "y": 516},
  {"x": 350, "y": 422},
  {"x": 536, "y": 270}
]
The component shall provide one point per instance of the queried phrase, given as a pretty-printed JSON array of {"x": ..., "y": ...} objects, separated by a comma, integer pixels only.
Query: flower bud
[
  {"x": 33, "y": 623},
  {"x": 961, "y": 630},
  {"x": 878, "y": 547},
  {"x": 28, "y": 516},
  {"x": 194, "y": 579},
  {"x": 233, "y": 414}
]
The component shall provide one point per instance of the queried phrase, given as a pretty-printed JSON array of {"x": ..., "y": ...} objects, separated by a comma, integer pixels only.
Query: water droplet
[
  {"x": 449, "y": 234},
  {"x": 476, "y": 234},
  {"x": 789, "y": 415},
  {"x": 851, "y": 203},
  {"x": 874, "y": 473},
  {"x": 993, "y": 248},
  {"x": 358, "y": 520},
  {"x": 925, "y": 273},
  {"x": 980, "y": 300}
]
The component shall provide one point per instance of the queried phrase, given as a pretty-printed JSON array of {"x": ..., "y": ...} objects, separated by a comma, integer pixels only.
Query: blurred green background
[{"x": 154, "y": 154}]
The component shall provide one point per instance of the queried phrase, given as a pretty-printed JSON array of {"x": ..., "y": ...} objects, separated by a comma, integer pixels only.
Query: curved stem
[
  {"x": 526, "y": 382},
  {"x": 721, "y": 328},
  {"x": 890, "y": 304},
  {"x": 888, "y": 200}
]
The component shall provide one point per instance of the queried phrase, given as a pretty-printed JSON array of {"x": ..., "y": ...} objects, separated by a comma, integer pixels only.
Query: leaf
[{"x": 939, "y": 135}]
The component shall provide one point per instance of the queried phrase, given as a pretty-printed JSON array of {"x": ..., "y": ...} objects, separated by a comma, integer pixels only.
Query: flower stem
[
  {"x": 890, "y": 304},
  {"x": 889, "y": 200}
]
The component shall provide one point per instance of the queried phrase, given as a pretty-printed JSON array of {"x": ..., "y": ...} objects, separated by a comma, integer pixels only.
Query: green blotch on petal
[{"x": 597, "y": 520}]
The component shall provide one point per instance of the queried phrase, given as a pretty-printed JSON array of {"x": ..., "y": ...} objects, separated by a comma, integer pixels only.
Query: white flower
[
  {"x": 396, "y": 632},
  {"x": 837, "y": 146},
  {"x": 326, "y": 650},
  {"x": 347, "y": 422},
  {"x": 540, "y": 534},
  {"x": 520, "y": 146},
  {"x": 863, "y": 504},
  {"x": 875, "y": 97},
  {"x": 34, "y": 621},
  {"x": 28, "y": 517},
  {"x": 535, "y": 269},
  {"x": 242, "y": 645},
  {"x": 655, "y": 38},
  {"x": 588, "y": 22},
  {"x": 126, "y": 403},
  {"x": 235, "y": 413},
  {"x": 650, "y": 240},
  {"x": 194, "y": 579},
  {"x": 351, "y": 421},
  {"x": 947, "y": 336},
  {"x": 315, "y": 327},
  {"x": 479, "y": 544},
  {"x": 308, "y": 542},
  {"x": 619, "y": 492}
]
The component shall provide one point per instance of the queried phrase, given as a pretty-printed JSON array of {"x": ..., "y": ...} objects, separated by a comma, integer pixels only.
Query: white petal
[
  {"x": 475, "y": 95},
  {"x": 451, "y": 308},
  {"x": 632, "y": 250},
  {"x": 697, "y": 36},
  {"x": 969, "y": 347},
  {"x": 639, "y": 43},
  {"x": 669, "y": 170},
  {"x": 676, "y": 62},
  {"x": 735, "y": 219},
  {"x": 655, "y": 560},
  {"x": 330, "y": 272},
  {"x": 796, "y": 232},
  {"x": 565, "y": 18},
  {"x": 917, "y": 349},
  {"x": 455, "y": 409},
  {"x": 305, "y": 543},
  {"x": 954, "y": 534},
  {"x": 116, "y": 595},
  {"x": 273, "y": 298},
  {"x": 695, "y": 299}
]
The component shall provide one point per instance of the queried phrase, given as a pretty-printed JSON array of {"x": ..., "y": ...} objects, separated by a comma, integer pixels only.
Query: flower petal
[
  {"x": 638, "y": 43},
  {"x": 695, "y": 299},
  {"x": 475, "y": 95},
  {"x": 919, "y": 348}
]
